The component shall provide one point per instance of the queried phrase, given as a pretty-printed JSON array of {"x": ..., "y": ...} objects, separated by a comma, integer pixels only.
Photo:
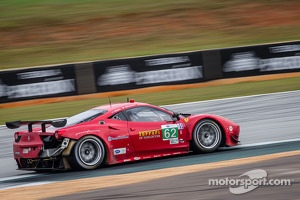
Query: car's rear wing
[{"x": 56, "y": 123}]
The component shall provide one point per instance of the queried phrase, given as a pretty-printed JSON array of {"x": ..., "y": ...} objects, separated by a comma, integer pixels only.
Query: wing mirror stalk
[{"x": 175, "y": 116}]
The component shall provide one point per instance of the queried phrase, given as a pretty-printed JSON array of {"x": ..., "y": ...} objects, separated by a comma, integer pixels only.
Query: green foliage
[{"x": 35, "y": 32}]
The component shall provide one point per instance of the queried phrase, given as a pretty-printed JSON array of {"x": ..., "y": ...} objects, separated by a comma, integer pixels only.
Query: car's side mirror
[{"x": 175, "y": 116}]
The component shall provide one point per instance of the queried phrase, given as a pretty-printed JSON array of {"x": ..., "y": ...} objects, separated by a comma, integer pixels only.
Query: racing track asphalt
[
  {"x": 195, "y": 185},
  {"x": 263, "y": 118}
]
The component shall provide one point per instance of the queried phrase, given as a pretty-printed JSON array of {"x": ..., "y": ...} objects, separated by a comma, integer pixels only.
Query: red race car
[{"x": 117, "y": 133}]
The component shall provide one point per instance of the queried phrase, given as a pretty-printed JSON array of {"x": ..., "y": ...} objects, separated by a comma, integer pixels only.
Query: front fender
[{"x": 230, "y": 129}]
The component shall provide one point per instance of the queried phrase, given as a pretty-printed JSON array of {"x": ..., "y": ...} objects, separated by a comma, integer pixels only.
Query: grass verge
[
  {"x": 67, "y": 108},
  {"x": 48, "y": 32}
]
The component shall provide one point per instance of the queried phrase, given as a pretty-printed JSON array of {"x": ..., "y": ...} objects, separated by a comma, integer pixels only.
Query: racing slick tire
[
  {"x": 88, "y": 153},
  {"x": 207, "y": 136}
]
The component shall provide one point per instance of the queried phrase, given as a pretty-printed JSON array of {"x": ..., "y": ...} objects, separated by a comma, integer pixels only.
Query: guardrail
[{"x": 140, "y": 72}]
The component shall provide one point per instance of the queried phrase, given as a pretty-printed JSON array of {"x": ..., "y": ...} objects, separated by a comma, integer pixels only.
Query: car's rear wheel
[
  {"x": 88, "y": 153},
  {"x": 207, "y": 136}
]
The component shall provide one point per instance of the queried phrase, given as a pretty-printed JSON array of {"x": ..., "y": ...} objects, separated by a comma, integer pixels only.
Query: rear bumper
[
  {"x": 39, "y": 164},
  {"x": 32, "y": 156}
]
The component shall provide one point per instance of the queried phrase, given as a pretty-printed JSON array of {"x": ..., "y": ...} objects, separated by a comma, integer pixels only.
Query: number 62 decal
[{"x": 169, "y": 131}]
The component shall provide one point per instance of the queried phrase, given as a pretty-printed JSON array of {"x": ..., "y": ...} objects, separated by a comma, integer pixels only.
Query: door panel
[
  {"x": 119, "y": 140},
  {"x": 161, "y": 136}
]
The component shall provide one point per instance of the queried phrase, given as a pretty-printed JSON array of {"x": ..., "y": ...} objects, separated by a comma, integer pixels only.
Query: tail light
[
  {"x": 58, "y": 134},
  {"x": 17, "y": 137}
]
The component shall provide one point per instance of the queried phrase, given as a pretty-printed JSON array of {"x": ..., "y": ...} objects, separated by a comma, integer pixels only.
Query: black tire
[
  {"x": 88, "y": 153},
  {"x": 207, "y": 136}
]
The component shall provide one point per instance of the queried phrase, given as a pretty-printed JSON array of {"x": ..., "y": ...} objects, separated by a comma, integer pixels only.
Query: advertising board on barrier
[
  {"x": 37, "y": 83},
  {"x": 141, "y": 72},
  {"x": 259, "y": 60},
  {"x": 148, "y": 71}
]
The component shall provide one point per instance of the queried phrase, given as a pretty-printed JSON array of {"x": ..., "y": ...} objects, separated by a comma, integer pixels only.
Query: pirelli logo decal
[{"x": 149, "y": 134}]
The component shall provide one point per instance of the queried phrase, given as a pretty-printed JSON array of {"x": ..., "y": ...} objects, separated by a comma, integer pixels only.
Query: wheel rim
[
  {"x": 90, "y": 152},
  {"x": 208, "y": 135}
]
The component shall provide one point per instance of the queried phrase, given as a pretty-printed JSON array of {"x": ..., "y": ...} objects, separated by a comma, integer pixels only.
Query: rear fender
[{"x": 68, "y": 150}]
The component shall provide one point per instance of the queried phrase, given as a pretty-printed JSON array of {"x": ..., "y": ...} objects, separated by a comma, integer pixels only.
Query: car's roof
[{"x": 117, "y": 106}]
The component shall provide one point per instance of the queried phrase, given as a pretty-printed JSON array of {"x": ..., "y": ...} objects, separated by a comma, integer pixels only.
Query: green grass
[
  {"x": 63, "y": 109},
  {"x": 34, "y": 32}
]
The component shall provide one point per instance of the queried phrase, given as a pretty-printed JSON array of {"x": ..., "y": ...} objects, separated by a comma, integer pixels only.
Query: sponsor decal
[
  {"x": 168, "y": 75},
  {"x": 170, "y": 132},
  {"x": 39, "y": 89},
  {"x": 176, "y": 153},
  {"x": 180, "y": 126},
  {"x": 180, "y": 68},
  {"x": 147, "y": 157},
  {"x": 120, "y": 137},
  {"x": 149, "y": 134},
  {"x": 181, "y": 140},
  {"x": 241, "y": 61},
  {"x": 230, "y": 128},
  {"x": 88, "y": 131},
  {"x": 25, "y": 151},
  {"x": 273, "y": 64},
  {"x": 167, "y": 61},
  {"x": 246, "y": 61},
  {"x": 39, "y": 74},
  {"x": 2, "y": 89},
  {"x": 285, "y": 48},
  {"x": 186, "y": 119},
  {"x": 174, "y": 141},
  {"x": 119, "y": 151},
  {"x": 137, "y": 158},
  {"x": 115, "y": 75}
]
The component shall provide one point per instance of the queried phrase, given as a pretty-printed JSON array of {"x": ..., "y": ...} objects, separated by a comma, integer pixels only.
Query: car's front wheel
[
  {"x": 88, "y": 153},
  {"x": 207, "y": 136}
]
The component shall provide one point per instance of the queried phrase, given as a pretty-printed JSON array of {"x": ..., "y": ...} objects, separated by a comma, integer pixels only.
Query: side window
[
  {"x": 147, "y": 114},
  {"x": 119, "y": 116}
]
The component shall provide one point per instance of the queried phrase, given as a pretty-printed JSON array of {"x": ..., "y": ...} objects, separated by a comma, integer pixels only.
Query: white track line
[
  {"x": 223, "y": 99},
  {"x": 17, "y": 177},
  {"x": 261, "y": 144},
  {"x": 230, "y": 98}
]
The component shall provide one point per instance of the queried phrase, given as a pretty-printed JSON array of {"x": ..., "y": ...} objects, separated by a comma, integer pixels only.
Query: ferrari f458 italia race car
[{"x": 117, "y": 133}]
